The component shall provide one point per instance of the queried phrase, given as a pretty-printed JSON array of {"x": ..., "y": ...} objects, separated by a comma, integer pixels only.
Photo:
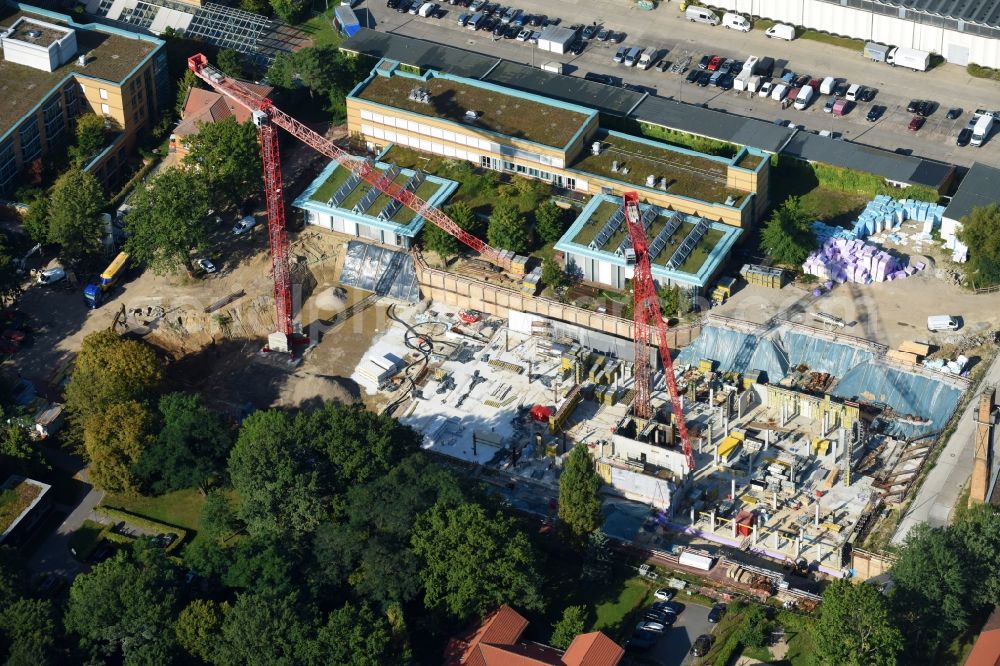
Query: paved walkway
[{"x": 939, "y": 493}]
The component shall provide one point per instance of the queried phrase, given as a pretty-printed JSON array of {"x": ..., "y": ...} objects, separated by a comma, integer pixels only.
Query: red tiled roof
[
  {"x": 986, "y": 651},
  {"x": 208, "y": 106},
  {"x": 593, "y": 649},
  {"x": 496, "y": 642}
]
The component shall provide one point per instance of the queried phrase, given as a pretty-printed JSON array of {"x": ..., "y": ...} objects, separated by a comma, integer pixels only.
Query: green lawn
[
  {"x": 181, "y": 508},
  {"x": 332, "y": 184},
  {"x": 611, "y": 615},
  {"x": 322, "y": 31},
  {"x": 834, "y": 40},
  {"x": 84, "y": 540},
  {"x": 834, "y": 207}
]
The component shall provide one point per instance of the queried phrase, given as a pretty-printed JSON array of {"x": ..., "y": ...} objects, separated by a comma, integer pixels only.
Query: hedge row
[
  {"x": 981, "y": 72},
  {"x": 141, "y": 522}
]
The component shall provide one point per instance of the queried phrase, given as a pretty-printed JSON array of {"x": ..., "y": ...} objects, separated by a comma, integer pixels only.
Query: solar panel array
[
  {"x": 689, "y": 244},
  {"x": 660, "y": 242},
  {"x": 648, "y": 215},
  {"x": 609, "y": 229},
  {"x": 393, "y": 206},
  {"x": 367, "y": 200}
]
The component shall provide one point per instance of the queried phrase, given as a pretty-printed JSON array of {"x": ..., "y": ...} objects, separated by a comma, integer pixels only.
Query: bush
[
  {"x": 980, "y": 72},
  {"x": 143, "y": 523}
]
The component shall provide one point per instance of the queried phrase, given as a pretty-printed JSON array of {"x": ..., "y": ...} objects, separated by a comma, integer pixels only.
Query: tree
[
  {"x": 107, "y": 370},
  {"x": 550, "y": 221},
  {"x": 36, "y": 218},
  {"x": 507, "y": 229},
  {"x": 371, "y": 550},
  {"x": 855, "y": 626},
  {"x": 552, "y": 272},
  {"x": 674, "y": 301},
  {"x": 19, "y": 453},
  {"x": 754, "y": 626},
  {"x": 218, "y": 519},
  {"x": 929, "y": 575},
  {"x": 28, "y": 633},
  {"x": 288, "y": 11},
  {"x": 355, "y": 636},
  {"x": 579, "y": 502},
  {"x": 975, "y": 539},
  {"x": 255, "y": 6},
  {"x": 231, "y": 64},
  {"x": 187, "y": 81},
  {"x": 166, "y": 220},
  {"x": 788, "y": 237},
  {"x": 597, "y": 558},
  {"x": 191, "y": 448},
  {"x": 569, "y": 626},
  {"x": 226, "y": 156},
  {"x": 74, "y": 205},
  {"x": 442, "y": 243},
  {"x": 980, "y": 230},
  {"x": 125, "y": 607},
  {"x": 281, "y": 73},
  {"x": 114, "y": 440},
  {"x": 91, "y": 135},
  {"x": 198, "y": 628},
  {"x": 264, "y": 629},
  {"x": 455, "y": 542},
  {"x": 282, "y": 480},
  {"x": 360, "y": 445}
]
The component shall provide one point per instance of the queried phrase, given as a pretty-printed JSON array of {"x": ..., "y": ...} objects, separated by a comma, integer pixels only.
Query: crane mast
[
  {"x": 648, "y": 320},
  {"x": 267, "y": 117}
]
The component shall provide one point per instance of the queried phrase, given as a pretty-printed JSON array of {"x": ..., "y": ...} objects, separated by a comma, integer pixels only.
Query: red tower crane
[
  {"x": 268, "y": 118},
  {"x": 647, "y": 319}
]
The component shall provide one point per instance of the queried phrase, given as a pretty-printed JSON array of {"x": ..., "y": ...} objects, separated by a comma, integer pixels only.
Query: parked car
[
  {"x": 828, "y": 107},
  {"x": 726, "y": 66},
  {"x": 604, "y": 78},
  {"x": 867, "y": 94},
  {"x": 205, "y": 265},
  {"x": 840, "y": 89},
  {"x": 463, "y": 19},
  {"x": 912, "y": 106},
  {"x": 704, "y": 78},
  {"x": 953, "y": 113},
  {"x": 693, "y": 75},
  {"x": 403, "y": 6},
  {"x": 576, "y": 48},
  {"x": 245, "y": 225},
  {"x": 702, "y": 645},
  {"x": 765, "y": 89},
  {"x": 926, "y": 108},
  {"x": 648, "y": 625},
  {"x": 875, "y": 113},
  {"x": 664, "y": 594},
  {"x": 714, "y": 615},
  {"x": 499, "y": 29},
  {"x": 714, "y": 64},
  {"x": 602, "y": 34},
  {"x": 511, "y": 31},
  {"x": 524, "y": 35},
  {"x": 725, "y": 82},
  {"x": 668, "y": 607},
  {"x": 617, "y": 37},
  {"x": 663, "y": 65},
  {"x": 916, "y": 123},
  {"x": 641, "y": 641},
  {"x": 660, "y": 616},
  {"x": 703, "y": 63},
  {"x": 964, "y": 137},
  {"x": 590, "y": 31}
]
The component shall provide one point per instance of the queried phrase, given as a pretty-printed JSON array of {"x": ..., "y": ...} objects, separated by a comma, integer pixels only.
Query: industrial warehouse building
[
  {"x": 962, "y": 32},
  {"x": 509, "y": 131},
  {"x": 54, "y": 69}
]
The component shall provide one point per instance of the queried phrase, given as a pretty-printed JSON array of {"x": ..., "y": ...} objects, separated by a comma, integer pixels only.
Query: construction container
[
  {"x": 752, "y": 377},
  {"x": 696, "y": 559},
  {"x": 903, "y": 357},
  {"x": 744, "y": 523},
  {"x": 723, "y": 290},
  {"x": 706, "y": 365},
  {"x": 763, "y": 276},
  {"x": 729, "y": 447},
  {"x": 519, "y": 265},
  {"x": 918, "y": 348}
]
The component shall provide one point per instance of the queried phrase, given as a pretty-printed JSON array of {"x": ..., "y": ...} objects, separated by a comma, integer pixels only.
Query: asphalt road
[
  {"x": 936, "y": 499},
  {"x": 665, "y": 30},
  {"x": 674, "y": 648}
]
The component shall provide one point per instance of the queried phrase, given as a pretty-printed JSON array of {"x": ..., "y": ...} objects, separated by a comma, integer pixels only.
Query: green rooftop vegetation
[
  {"x": 687, "y": 175},
  {"x": 109, "y": 58},
  {"x": 405, "y": 215},
  {"x": 14, "y": 501},
  {"x": 332, "y": 184},
  {"x": 513, "y": 116},
  {"x": 596, "y": 222},
  {"x": 750, "y": 160}
]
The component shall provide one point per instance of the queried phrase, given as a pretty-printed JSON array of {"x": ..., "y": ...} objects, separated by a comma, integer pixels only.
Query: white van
[
  {"x": 852, "y": 92},
  {"x": 474, "y": 22},
  {"x": 781, "y": 31},
  {"x": 633, "y": 55},
  {"x": 701, "y": 15},
  {"x": 735, "y": 22},
  {"x": 942, "y": 323},
  {"x": 780, "y": 92},
  {"x": 427, "y": 9},
  {"x": 827, "y": 85},
  {"x": 803, "y": 97}
]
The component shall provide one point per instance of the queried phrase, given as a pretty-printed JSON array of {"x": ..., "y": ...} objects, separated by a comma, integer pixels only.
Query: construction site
[{"x": 781, "y": 439}]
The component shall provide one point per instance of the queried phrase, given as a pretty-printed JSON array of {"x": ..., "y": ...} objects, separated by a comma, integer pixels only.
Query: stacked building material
[
  {"x": 884, "y": 212},
  {"x": 763, "y": 276},
  {"x": 843, "y": 260},
  {"x": 782, "y": 472}
]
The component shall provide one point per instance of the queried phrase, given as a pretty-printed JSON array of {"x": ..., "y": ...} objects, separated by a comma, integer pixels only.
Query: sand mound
[
  {"x": 332, "y": 300},
  {"x": 306, "y": 390}
]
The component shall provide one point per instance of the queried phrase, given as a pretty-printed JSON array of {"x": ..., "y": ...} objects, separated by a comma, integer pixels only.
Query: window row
[{"x": 419, "y": 144}]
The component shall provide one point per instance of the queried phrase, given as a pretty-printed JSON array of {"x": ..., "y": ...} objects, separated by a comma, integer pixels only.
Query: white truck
[
  {"x": 646, "y": 59},
  {"x": 747, "y": 81},
  {"x": 981, "y": 130},
  {"x": 911, "y": 58}
]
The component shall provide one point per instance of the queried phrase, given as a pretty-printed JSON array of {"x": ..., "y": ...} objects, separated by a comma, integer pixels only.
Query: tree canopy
[
  {"x": 550, "y": 221},
  {"x": 569, "y": 626},
  {"x": 788, "y": 236},
  {"x": 856, "y": 627},
  {"x": 440, "y": 241},
  {"x": 579, "y": 502},
  {"x": 91, "y": 135},
  {"x": 74, "y": 205},
  {"x": 980, "y": 230},
  {"x": 165, "y": 220},
  {"x": 114, "y": 441},
  {"x": 226, "y": 155},
  {"x": 508, "y": 228},
  {"x": 455, "y": 542}
]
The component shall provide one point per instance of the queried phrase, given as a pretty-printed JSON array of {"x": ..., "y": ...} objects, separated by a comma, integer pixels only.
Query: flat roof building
[
  {"x": 54, "y": 69},
  {"x": 339, "y": 201},
  {"x": 685, "y": 250},
  {"x": 511, "y": 131},
  {"x": 979, "y": 188}
]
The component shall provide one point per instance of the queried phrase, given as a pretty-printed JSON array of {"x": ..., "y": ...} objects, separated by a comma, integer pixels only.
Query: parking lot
[
  {"x": 674, "y": 646},
  {"x": 676, "y": 39}
]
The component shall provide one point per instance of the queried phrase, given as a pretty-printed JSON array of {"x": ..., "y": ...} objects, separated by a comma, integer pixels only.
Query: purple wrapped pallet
[
  {"x": 909, "y": 270},
  {"x": 920, "y": 265}
]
